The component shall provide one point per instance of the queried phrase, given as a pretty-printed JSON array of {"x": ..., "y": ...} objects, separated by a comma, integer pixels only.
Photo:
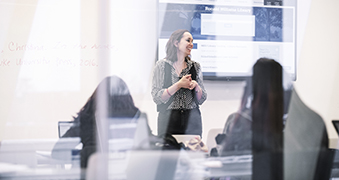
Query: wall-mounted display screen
[{"x": 230, "y": 35}]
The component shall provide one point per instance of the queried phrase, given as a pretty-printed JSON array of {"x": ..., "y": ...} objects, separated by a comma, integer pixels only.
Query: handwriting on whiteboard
[{"x": 13, "y": 54}]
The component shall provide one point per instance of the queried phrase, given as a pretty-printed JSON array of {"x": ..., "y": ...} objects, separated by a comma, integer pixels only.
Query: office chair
[{"x": 306, "y": 152}]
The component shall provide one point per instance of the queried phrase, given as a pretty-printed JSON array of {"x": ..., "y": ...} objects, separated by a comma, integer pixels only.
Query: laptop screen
[
  {"x": 63, "y": 127},
  {"x": 127, "y": 133}
]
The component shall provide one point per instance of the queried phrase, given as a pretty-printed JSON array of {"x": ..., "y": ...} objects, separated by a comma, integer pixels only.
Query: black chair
[{"x": 306, "y": 152}]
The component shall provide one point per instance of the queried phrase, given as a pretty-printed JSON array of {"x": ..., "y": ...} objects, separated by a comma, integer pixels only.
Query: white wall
[{"x": 318, "y": 75}]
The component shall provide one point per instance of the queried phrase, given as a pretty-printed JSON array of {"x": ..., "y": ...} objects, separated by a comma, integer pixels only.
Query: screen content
[{"x": 230, "y": 35}]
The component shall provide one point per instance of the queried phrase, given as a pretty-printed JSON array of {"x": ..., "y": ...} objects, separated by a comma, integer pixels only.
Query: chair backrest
[{"x": 306, "y": 153}]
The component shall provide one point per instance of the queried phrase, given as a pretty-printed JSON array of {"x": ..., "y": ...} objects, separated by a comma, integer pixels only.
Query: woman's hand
[
  {"x": 193, "y": 84},
  {"x": 198, "y": 91},
  {"x": 185, "y": 81}
]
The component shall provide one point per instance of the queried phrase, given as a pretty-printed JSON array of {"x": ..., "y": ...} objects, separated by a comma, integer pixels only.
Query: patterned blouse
[{"x": 183, "y": 98}]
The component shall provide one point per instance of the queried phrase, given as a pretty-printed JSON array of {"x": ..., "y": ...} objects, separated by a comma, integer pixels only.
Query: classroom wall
[
  {"x": 317, "y": 83},
  {"x": 51, "y": 62}
]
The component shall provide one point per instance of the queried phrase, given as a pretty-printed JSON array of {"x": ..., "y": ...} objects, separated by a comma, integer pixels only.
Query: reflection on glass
[{"x": 54, "y": 65}]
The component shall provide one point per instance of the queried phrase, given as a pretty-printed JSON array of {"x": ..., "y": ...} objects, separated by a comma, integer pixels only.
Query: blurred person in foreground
[{"x": 113, "y": 97}]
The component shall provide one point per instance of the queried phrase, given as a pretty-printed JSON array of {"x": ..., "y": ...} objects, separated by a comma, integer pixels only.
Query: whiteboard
[{"x": 51, "y": 58}]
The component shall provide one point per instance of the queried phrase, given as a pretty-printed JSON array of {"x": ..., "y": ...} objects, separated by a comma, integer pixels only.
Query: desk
[
  {"x": 31, "y": 159},
  {"x": 189, "y": 166},
  {"x": 221, "y": 167},
  {"x": 185, "y": 165},
  {"x": 44, "y": 174},
  {"x": 145, "y": 165},
  {"x": 230, "y": 166}
]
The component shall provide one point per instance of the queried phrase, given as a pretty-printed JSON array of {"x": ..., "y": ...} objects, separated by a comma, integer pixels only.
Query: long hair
[
  {"x": 119, "y": 101},
  {"x": 171, "y": 49},
  {"x": 267, "y": 117},
  {"x": 267, "y": 105}
]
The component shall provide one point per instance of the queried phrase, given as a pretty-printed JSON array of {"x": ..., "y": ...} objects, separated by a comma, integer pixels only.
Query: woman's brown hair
[{"x": 171, "y": 49}]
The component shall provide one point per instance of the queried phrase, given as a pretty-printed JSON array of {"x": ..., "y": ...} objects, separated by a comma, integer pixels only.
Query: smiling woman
[{"x": 177, "y": 87}]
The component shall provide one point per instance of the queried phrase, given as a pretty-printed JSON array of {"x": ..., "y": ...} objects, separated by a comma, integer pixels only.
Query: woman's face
[{"x": 185, "y": 44}]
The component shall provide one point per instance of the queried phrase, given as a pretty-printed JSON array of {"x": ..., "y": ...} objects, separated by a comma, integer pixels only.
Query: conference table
[{"x": 141, "y": 165}]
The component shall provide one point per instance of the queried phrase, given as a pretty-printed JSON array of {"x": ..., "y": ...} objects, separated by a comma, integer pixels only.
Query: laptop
[
  {"x": 64, "y": 126},
  {"x": 127, "y": 133}
]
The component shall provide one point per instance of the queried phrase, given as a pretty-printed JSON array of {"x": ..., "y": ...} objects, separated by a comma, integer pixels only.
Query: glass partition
[{"x": 83, "y": 84}]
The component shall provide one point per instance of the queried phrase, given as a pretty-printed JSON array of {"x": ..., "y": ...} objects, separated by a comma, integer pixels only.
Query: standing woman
[{"x": 177, "y": 87}]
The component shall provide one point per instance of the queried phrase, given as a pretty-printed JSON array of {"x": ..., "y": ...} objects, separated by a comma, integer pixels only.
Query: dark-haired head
[
  {"x": 266, "y": 71},
  {"x": 171, "y": 49},
  {"x": 116, "y": 98},
  {"x": 267, "y": 78}
]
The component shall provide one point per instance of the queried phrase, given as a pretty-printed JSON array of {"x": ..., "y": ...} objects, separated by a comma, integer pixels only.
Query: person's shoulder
[
  {"x": 229, "y": 121},
  {"x": 231, "y": 118},
  {"x": 246, "y": 114},
  {"x": 142, "y": 114},
  {"x": 162, "y": 62},
  {"x": 242, "y": 115}
]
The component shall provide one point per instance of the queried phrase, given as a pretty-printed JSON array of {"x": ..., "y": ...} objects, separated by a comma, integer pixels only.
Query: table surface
[{"x": 198, "y": 167}]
